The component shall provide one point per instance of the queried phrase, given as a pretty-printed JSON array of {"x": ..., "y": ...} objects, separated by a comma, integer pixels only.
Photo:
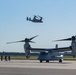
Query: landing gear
[
  {"x": 47, "y": 61},
  {"x": 60, "y": 61},
  {"x": 40, "y": 61}
]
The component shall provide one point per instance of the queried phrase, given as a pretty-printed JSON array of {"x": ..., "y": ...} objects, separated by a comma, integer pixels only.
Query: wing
[
  {"x": 51, "y": 49},
  {"x": 38, "y": 49}
]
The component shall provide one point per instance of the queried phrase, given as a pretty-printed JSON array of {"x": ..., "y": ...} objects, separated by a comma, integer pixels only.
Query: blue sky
[{"x": 59, "y": 21}]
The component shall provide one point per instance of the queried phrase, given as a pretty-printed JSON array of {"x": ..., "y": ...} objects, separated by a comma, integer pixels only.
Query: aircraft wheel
[
  {"x": 47, "y": 60},
  {"x": 60, "y": 61},
  {"x": 40, "y": 61}
]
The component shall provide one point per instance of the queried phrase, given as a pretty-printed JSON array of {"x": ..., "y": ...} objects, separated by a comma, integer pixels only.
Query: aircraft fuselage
[
  {"x": 73, "y": 44},
  {"x": 43, "y": 56}
]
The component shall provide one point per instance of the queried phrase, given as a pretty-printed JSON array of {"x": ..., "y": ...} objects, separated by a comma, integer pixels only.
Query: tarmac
[{"x": 34, "y": 67}]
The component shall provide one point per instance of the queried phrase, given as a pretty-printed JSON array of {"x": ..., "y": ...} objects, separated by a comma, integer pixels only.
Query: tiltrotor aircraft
[
  {"x": 47, "y": 54},
  {"x": 36, "y": 19}
]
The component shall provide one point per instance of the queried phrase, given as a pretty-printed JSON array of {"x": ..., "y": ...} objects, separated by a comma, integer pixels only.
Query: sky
[{"x": 59, "y": 22}]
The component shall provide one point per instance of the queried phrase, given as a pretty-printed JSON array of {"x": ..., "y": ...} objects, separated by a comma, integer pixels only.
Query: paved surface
[{"x": 34, "y": 67}]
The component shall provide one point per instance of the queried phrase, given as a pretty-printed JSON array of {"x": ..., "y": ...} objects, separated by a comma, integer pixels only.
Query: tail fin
[
  {"x": 56, "y": 46},
  {"x": 27, "y": 18}
]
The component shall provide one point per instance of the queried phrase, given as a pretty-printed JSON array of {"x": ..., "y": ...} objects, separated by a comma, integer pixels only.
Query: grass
[
  {"x": 35, "y": 58},
  {"x": 23, "y": 58},
  {"x": 69, "y": 58}
]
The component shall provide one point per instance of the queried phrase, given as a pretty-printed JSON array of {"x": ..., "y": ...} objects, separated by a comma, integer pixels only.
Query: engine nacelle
[
  {"x": 26, "y": 49},
  {"x": 73, "y": 48}
]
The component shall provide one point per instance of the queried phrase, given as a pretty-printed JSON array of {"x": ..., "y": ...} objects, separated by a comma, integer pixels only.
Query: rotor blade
[
  {"x": 33, "y": 37},
  {"x": 15, "y": 42},
  {"x": 64, "y": 39},
  {"x": 38, "y": 15}
]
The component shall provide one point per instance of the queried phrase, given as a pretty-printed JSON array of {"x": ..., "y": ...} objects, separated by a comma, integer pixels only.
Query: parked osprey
[
  {"x": 36, "y": 19},
  {"x": 47, "y": 54}
]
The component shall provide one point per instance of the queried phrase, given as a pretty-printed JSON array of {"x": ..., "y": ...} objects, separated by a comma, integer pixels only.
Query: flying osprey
[{"x": 36, "y": 19}]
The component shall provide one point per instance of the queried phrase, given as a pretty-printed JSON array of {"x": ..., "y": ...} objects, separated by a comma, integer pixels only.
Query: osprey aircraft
[
  {"x": 47, "y": 54},
  {"x": 36, "y": 19}
]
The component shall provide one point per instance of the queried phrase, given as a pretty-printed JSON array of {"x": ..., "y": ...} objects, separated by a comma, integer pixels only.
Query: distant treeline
[
  {"x": 16, "y": 54},
  {"x": 23, "y": 54}
]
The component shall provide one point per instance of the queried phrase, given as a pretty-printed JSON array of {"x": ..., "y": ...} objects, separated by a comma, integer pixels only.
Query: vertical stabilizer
[{"x": 56, "y": 46}]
